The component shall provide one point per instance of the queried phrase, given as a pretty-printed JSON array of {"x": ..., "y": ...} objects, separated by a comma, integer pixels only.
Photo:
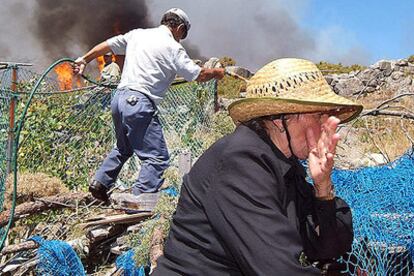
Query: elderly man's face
[{"x": 299, "y": 125}]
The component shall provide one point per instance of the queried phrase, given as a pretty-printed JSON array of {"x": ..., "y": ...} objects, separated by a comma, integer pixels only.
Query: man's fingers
[
  {"x": 334, "y": 141},
  {"x": 331, "y": 125}
]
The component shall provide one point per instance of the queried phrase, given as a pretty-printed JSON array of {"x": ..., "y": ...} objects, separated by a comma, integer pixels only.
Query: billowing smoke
[
  {"x": 42, "y": 31},
  {"x": 257, "y": 32},
  {"x": 60, "y": 26},
  {"x": 251, "y": 32}
]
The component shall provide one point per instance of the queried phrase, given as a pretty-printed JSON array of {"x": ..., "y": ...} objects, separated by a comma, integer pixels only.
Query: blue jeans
[{"x": 137, "y": 131}]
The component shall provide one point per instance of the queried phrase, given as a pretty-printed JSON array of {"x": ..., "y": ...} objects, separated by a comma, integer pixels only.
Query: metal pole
[
  {"x": 216, "y": 98},
  {"x": 12, "y": 112}
]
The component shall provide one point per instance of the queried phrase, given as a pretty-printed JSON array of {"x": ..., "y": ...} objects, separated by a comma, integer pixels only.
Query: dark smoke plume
[
  {"x": 60, "y": 25},
  {"x": 86, "y": 23},
  {"x": 251, "y": 32}
]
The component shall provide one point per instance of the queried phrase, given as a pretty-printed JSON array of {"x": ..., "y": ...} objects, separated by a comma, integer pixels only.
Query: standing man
[
  {"x": 153, "y": 57},
  {"x": 110, "y": 73}
]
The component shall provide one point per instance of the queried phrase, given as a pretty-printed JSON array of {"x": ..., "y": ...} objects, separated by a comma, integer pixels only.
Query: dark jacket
[{"x": 245, "y": 209}]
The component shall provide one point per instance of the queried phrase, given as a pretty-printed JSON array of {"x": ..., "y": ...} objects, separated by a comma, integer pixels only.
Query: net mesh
[
  {"x": 57, "y": 258},
  {"x": 127, "y": 264},
  {"x": 381, "y": 199},
  {"x": 68, "y": 133},
  {"x": 5, "y": 99}
]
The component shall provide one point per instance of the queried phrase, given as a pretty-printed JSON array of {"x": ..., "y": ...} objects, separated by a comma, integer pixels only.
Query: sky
[
  {"x": 381, "y": 29},
  {"x": 251, "y": 32}
]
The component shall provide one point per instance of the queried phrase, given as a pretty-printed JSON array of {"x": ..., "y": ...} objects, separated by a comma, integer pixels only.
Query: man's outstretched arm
[
  {"x": 99, "y": 50},
  {"x": 208, "y": 74}
]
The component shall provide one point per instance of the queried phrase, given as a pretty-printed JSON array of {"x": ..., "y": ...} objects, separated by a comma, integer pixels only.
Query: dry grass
[
  {"x": 386, "y": 135},
  {"x": 32, "y": 185}
]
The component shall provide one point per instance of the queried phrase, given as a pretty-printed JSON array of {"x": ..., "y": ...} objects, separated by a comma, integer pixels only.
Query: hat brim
[{"x": 246, "y": 109}]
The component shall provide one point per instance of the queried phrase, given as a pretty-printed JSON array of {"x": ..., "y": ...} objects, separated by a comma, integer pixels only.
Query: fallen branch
[
  {"x": 119, "y": 219},
  {"x": 19, "y": 247},
  {"x": 104, "y": 232},
  {"x": 26, "y": 267},
  {"x": 42, "y": 204},
  {"x": 395, "y": 98},
  {"x": 377, "y": 112}
]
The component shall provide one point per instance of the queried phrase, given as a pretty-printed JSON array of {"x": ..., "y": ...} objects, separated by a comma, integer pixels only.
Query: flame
[
  {"x": 78, "y": 81},
  {"x": 65, "y": 76},
  {"x": 101, "y": 63}
]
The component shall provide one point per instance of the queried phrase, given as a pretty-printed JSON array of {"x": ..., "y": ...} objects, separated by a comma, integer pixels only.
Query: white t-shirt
[{"x": 152, "y": 60}]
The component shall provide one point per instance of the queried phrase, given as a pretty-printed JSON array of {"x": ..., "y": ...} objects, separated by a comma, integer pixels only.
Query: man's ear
[{"x": 182, "y": 28}]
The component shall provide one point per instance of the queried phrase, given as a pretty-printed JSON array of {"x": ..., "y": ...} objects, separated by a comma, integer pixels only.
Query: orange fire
[
  {"x": 65, "y": 76},
  {"x": 101, "y": 63}
]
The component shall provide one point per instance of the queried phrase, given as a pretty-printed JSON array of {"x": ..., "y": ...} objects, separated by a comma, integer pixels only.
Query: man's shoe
[{"x": 98, "y": 190}]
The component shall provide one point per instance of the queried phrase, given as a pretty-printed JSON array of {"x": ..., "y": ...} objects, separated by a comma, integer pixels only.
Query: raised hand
[
  {"x": 321, "y": 154},
  {"x": 79, "y": 66}
]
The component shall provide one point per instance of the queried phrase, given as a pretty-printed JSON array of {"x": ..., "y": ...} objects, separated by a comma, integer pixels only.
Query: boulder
[
  {"x": 212, "y": 63},
  {"x": 331, "y": 79},
  {"x": 402, "y": 62},
  {"x": 396, "y": 75},
  {"x": 369, "y": 77},
  {"x": 348, "y": 87},
  {"x": 384, "y": 65}
]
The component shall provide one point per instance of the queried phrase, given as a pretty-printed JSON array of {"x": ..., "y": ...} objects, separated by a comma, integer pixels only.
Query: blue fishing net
[
  {"x": 57, "y": 258},
  {"x": 127, "y": 263},
  {"x": 382, "y": 203}
]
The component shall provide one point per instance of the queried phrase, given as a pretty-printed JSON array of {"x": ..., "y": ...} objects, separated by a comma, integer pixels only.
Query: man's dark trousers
[{"x": 137, "y": 131}]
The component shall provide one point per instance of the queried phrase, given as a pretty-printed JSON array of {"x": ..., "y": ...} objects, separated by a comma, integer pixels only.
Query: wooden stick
[
  {"x": 119, "y": 219},
  {"x": 376, "y": 112},
  {"x": 46, "y": 203},
  {"x": 19, "y": 247}
]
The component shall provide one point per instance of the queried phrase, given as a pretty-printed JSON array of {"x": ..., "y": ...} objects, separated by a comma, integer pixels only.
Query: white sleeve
[
  {"x": 118, "y": 43},
  {"x": 185, "y": 66}
]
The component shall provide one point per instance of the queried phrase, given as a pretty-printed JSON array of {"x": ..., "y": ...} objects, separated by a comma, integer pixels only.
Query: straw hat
[{"x": 291, "y": 85}]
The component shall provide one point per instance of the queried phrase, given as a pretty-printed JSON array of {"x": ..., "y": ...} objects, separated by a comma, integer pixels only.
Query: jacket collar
[
  {"x": 286, "y": 164},
  {"x": 165, "y": 29}
]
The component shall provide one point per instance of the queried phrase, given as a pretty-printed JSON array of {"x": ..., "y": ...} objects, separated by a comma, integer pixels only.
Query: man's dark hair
[{"x": 172, "y": 20}]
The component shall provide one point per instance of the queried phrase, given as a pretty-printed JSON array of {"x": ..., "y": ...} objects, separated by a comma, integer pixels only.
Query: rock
[
  {"x": 387, "y": 72},
  {"x": 396, "y": 75},
  {"x": 384, "y": 65},
  {"x": 378, "y": 159},
  {"x": 331, "y": 79},
  {"x": 343, "y": 76},
  {"x": 353, "y": 73},
  {"x": 369, "y": 76},
  {"x": 402, "y": 62},
  {"x": 347, "y": 87},
  {"x": 212, "y": 63},
  {"x": 370, "y": 89}
]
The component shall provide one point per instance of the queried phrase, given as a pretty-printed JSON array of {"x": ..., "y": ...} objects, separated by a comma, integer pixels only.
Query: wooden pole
[{"x": 12, "y": 112}]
